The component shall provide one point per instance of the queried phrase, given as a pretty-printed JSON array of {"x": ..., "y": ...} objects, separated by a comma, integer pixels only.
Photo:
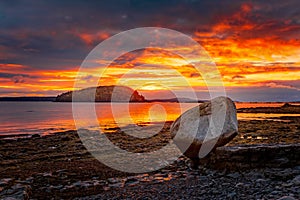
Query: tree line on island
[{"x": 112, "y": 93}]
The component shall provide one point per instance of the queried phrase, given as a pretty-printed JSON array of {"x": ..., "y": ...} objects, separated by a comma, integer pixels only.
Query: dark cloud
[
  {"x": 45, "y": 34},
  {"x": 9, "y": 75},
  {"x": 17, "y": 78},
  {"x": 71, "y": 17},
  {"x": 48, "y": 35}
]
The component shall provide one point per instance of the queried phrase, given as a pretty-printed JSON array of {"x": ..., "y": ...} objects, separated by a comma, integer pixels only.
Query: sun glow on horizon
[{"x": 250, "y": 52}]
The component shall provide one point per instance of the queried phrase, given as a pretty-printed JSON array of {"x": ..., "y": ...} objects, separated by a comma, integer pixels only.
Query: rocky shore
[
  {"x": 260, "y": 163},
  {"x": 286, "y": 108}
]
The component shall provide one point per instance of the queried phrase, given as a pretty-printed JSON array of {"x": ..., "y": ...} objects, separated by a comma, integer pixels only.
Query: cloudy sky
[{"x": 254, "y": 44}]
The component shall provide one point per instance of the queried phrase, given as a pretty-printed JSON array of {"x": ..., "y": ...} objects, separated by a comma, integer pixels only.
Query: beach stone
[
  {"x": 233, "y": 175},
  {"x": 296, "y": 180},
  {"x": 231, "y": 195},
  {"x": 287, "y": 198},
  {"x": 113, "y": 180},
  {"x": 205, "y": 127},
  {"x": 17, "y": 191}
]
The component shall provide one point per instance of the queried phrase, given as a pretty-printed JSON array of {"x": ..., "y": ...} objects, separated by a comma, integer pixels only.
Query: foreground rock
[{"x": 205, "y": 127}]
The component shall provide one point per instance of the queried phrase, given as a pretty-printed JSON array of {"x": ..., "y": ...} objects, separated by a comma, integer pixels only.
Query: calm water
[{"x": 49, "y": 117}]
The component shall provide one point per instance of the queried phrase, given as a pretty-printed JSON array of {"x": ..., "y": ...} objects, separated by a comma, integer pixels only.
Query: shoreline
[{"x": 59, "y": 166}]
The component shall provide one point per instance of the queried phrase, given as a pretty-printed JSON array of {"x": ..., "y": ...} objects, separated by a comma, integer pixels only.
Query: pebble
[
  {"x": 112, "y": 180},
  {"x": 116, "y": 185},
  {"x": 2, "y": 183},
  {"x": 231, "y": 195},
  {"x": 286, "y": 198},
  {"x": 240, "y": 185},
  {"x": 260, "y": 180},
  {"x": 17, "y": 191},
  {"x": 275, "y": 192},
  {"x": 233, "y": 175},
  {"x": 296, "y": 180}
]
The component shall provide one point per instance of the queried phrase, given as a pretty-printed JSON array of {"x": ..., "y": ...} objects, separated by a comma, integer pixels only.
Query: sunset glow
[{"x": 254, "y": 50}]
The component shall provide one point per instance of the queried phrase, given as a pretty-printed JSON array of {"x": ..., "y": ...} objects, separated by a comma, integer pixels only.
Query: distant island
[{"x": 111, "y": 93}]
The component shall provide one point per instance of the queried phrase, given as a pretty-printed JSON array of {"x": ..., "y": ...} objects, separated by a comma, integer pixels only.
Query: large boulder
[{"x": 201, "y": 129}]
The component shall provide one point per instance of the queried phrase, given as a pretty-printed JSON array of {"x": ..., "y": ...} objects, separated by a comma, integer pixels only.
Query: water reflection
[{"x": 49, "y": 117}]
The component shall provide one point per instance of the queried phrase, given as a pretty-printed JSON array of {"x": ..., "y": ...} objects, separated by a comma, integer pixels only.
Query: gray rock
[
  {"x": 275, "y": 192},
  {"x": 296, "y": 180},
  {"x": 113, "y": 180},
  {"x": 205, "y": 127},
  {"x": 231, "y": 195},
  {"x": 5, "y": 181},
  {"x": 233, "y": 175},
  {"x": 287, "y": 198},
  {"x": 17, "y": 191},
  {"x": 260, "y": 180},
  {"x": 116, "y": 185}
]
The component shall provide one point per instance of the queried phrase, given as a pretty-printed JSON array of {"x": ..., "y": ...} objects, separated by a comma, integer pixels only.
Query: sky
[{"x": 255, "y": 46}]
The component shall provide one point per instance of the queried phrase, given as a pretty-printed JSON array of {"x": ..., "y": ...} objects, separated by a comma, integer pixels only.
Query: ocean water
[{"x": 27, "y": 118}]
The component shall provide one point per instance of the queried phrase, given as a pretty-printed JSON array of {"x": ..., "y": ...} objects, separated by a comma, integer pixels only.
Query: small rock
[
  {"x": 29, "y": 179},
  {"x": 286, "y": 198},
  {"x": 2, "y": 183},
  {"x": 131, "y": 179},
  {"x": 105, "y": 188},
  {"x": 233, "y": 175},
  {"x": 17, "y": 191},
  {"x": 203, "y": 178},
  {"x": 6, "y": 180},
  {"x": 112, "y": 180},
  {"x": 77, "y": 184},
  {"x": 260, "y": 180},
  {"x": 231, "y": 195},
  {"x": 296, "y": 180},
  {"x": 58, "y": 187},
  {"x": 286, "y": 184},
  {"x": 116, "y": 185},
  {"x": 255, "y": 175},
  {"x": 275, "y": 192},
  {"x": 239, "y": 185},
  {"x": 46, "y": 174},
  {"x": 61, "y": 171}
]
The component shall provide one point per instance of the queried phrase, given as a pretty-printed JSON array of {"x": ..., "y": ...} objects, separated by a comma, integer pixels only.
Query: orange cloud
[
  {"x": 248, "y": 49},
  {"x": 25, "y": 81},
  {"x": 91, "y": 38}
]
